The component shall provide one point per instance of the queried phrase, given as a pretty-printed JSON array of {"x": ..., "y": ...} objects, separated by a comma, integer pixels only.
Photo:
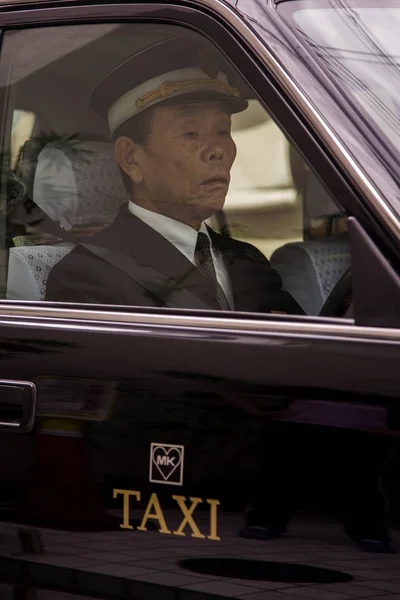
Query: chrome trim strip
[{"x": 96, "y": 320}]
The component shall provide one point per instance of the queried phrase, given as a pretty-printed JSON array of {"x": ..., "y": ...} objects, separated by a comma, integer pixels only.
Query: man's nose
[{"x": 213, "y": 149}]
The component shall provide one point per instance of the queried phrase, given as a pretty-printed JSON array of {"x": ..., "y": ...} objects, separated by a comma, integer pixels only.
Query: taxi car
[{"x": 129, "y": 435}]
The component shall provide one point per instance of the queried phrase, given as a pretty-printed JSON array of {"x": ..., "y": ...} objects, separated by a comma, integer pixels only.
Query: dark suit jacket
[{"x": 84, "y": 277}]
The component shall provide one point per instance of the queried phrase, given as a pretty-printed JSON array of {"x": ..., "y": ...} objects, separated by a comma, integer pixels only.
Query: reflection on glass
[
  {"x": 360, "y": 45},
  {"x": 22, "y": 127}
]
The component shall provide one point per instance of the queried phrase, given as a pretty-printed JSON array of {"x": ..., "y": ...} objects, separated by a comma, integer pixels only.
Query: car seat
[
  {"x": 77, "y": 184},
  {"x": 311, "y": 269}
]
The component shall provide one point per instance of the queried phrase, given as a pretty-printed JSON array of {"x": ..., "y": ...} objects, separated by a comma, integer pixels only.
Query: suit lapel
[{"x": 152, "y": 252}]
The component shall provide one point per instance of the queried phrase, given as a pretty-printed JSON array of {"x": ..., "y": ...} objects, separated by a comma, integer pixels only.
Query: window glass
[
  {"x": 358, "y": 42},
  {"x": 145, "y": 172}
]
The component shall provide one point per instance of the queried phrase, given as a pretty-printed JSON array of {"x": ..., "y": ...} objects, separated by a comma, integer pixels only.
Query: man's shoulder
[
  {"x": 111, "y": 237},
  {"x": 82, "y": 276},
  {"x": 79, "y": 260}
]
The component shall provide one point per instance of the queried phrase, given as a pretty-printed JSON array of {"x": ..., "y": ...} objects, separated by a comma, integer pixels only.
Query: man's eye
[
  {"x": 191, "y": 134},
  {"x": 225, "y": 132}
]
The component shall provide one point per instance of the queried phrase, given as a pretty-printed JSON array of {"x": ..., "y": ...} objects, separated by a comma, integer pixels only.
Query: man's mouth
[{"x": 217, "y": 180}]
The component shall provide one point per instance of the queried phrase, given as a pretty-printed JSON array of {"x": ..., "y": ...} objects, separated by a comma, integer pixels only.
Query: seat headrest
[
  {"x": 318, "y": 203},
  {"x": 78, "y": 183}
]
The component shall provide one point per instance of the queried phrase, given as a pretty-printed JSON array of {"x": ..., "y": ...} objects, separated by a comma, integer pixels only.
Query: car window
[{"x": 154, "y": 177}]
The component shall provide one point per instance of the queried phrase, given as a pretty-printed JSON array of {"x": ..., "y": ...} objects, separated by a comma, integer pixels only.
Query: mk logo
[
  {"x": 166, "y": 464},
  {"x": 168, "y": 461}
]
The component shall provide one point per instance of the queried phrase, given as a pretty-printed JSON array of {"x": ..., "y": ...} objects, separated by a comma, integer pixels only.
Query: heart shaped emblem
[{"x": 166, "y": 460}]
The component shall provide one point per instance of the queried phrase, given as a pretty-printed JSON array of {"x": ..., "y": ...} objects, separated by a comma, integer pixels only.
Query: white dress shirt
[{"x": 184, "y": 238}]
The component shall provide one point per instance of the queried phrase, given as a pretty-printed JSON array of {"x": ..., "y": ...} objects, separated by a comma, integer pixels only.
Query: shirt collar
[{"x": 182, "y": 236}]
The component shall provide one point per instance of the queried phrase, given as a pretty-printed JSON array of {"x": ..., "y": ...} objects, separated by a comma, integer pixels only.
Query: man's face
[{"x": 186, "y": 162}]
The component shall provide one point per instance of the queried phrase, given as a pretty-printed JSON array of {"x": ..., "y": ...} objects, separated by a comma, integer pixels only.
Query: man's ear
[{"x": 126, "y": 153}]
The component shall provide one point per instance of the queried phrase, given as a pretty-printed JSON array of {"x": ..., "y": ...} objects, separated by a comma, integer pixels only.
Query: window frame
[{"x": 231, "y": 42}]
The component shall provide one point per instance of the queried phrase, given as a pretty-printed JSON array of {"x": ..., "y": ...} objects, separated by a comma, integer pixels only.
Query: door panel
[{"x": 207, "y": 390}]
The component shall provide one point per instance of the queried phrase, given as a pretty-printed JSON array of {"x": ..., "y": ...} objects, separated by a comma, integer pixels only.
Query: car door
[{"x": 130, "y": 434}]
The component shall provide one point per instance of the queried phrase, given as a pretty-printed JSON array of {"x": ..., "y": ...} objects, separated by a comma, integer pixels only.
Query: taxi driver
[{"x": 169, "y": 112}]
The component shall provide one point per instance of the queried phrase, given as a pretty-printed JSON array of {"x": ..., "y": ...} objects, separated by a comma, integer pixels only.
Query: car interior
[{"x": 61, "y": 170}]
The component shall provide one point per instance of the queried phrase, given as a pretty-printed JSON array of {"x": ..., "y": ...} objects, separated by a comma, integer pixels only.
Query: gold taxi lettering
[
  {"x": 126, "y": 494},
  {"x": 187, "y": 507},
  {"x": 187, "y": 514},
  {"x": 213, "y": 519},
  {"x": 157, "y": 514}
]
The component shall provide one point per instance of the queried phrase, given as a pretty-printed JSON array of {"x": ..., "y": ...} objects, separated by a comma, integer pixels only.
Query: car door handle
[{"x": 17, "y": 405}]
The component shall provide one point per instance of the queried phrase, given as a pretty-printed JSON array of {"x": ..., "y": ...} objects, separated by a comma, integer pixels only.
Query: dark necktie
[{"x": 205, "y": 265}]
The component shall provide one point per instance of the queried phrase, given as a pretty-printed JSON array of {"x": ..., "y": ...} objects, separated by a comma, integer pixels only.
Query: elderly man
[{"x": 169, "y": 110}]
